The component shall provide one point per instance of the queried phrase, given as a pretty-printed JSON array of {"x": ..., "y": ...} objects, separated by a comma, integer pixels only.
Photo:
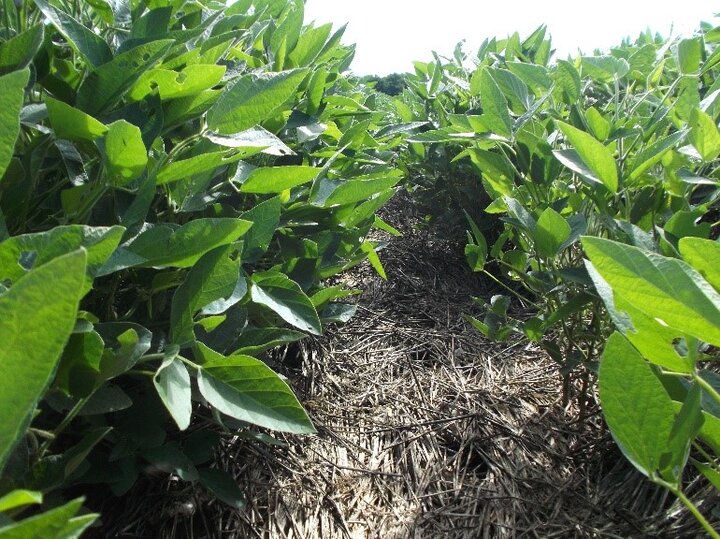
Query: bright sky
[{"x": 390, "y": 34}]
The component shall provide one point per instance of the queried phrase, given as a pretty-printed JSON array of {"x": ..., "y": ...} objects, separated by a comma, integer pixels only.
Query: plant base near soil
[{"x": 425, "y": 430}]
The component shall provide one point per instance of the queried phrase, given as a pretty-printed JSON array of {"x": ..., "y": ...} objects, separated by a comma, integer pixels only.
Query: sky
[{"x": 391, "y": 34}]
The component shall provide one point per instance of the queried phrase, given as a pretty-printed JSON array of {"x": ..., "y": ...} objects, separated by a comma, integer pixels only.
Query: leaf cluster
[
  {"x": 178, "y": 180},
  {"x": 611, "y": 157}
]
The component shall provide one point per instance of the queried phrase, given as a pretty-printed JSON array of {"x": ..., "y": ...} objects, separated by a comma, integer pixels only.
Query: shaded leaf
[
  {"x": 108, "y": 83},
  {"x": 166, "y": 245},
  {"x": 91, "y": 46},
  {"x": 223, "y": 486},
  {"x": 172, "y": 382},
  {"x": 18, "y": 51},
  {"x": 285, "y": 297}
]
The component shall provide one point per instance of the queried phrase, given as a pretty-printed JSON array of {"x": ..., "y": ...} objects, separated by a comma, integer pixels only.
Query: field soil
[{"x": 425, "y": 430}]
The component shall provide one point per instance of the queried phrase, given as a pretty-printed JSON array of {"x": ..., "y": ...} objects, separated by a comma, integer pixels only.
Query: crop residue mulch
[{"x": 427, "y": 430}]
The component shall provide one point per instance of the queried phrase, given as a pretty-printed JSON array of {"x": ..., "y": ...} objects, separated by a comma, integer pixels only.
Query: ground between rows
[{"x": 425, "y": 430}]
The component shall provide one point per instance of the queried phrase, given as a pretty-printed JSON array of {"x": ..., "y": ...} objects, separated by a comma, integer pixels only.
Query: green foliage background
[{"x": 179, "y": 180}]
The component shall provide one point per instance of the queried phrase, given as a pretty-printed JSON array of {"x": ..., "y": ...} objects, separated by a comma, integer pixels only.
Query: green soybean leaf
[
  {"x": 58, "y": 522},
  {"x": 185, "y": 109},
  {"x": 685, "y": 223},
  {"x": 704, "y": 135},
  {"x": 42, "y": 247},
  {"x": 476, "y": 256},
  {"x": 497, "y": 171},
  {"x": 379, "y": 224},
  {"x": 494, "y": 104},
  {"x": 514, "y": 89},
  {"x": 476, "y": 250},
  {"x": 331, "y": 293},
  {"x": 340, "y": 313},
  {"x": 522, "y": 216},
  {"x": 185, "y": 168},
  {"x": 704, "y": 256},
  {"x": 165, "y": 245},
  {"x": 664, "y": 288},
  {"x": 87, "y": 43},
  {"x": 289, "y": 26},
  {"x": 37, "y": 316},
  {"x": 12, "y": 92},
  {"x": 594, "y": 155},
  {"x": 551, "y": 232},
  {"x": 710, "y": 473},
  {"x": 125, "y": 342},
  {"x": 369, "y": 249},
  {"x": 687, "y": 425},
  {"x": 567, "y": 81},
  {"x": 72, "y": 458},
  {"x": 284, "y": 296},
  {"x": 690, "y": 53},
  {"x": 105, "y": 10},
  {"x": 254, "y": 341},
  {"x": 171, "y": 459},
  {"x": 266, "y": 219},
  {"x": 653, "y": 154},
  {"x": 309, "y": 45},
  {"x": 221, "y": 485},
  {"x": 107, "y": 399},
  {"x": 252, "y": 100},
  {"x": 17, "y": 52},
  {"x": 535, "y": 76},
  {"x": 340, "y": 192},
  {"x": 255, "y": 137},
  {"x": 175, "y": 84},
  {"x": 642, "y": 62},
  {"x": 272, "y": 180},
  {"x": 79, "y": 367},
  {"x": 215, "y": 277},
  {"x": 109, "y": 82},
  {"x": 637, "y": 409},
  {"x": 172, "y": 382},
  {"x": 444, "y": 135},
  {"x": 125, "y": 152},
  {"x": 71, "y": 123},
  {"x": 572, "y": 160},
  {"x": 19, "y": 498},
  {"x": 356, "y": 136},
  {"x": 653, "y": 340},
  {"x": 604, "y": 68},
  {"x": 246, "y": 389},
  {"x": 598, "y": 124},
  {"x": 152, "y": 24}
]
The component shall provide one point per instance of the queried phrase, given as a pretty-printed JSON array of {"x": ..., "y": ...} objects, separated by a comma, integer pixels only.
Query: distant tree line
[{"x": 392, "y": 84}]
